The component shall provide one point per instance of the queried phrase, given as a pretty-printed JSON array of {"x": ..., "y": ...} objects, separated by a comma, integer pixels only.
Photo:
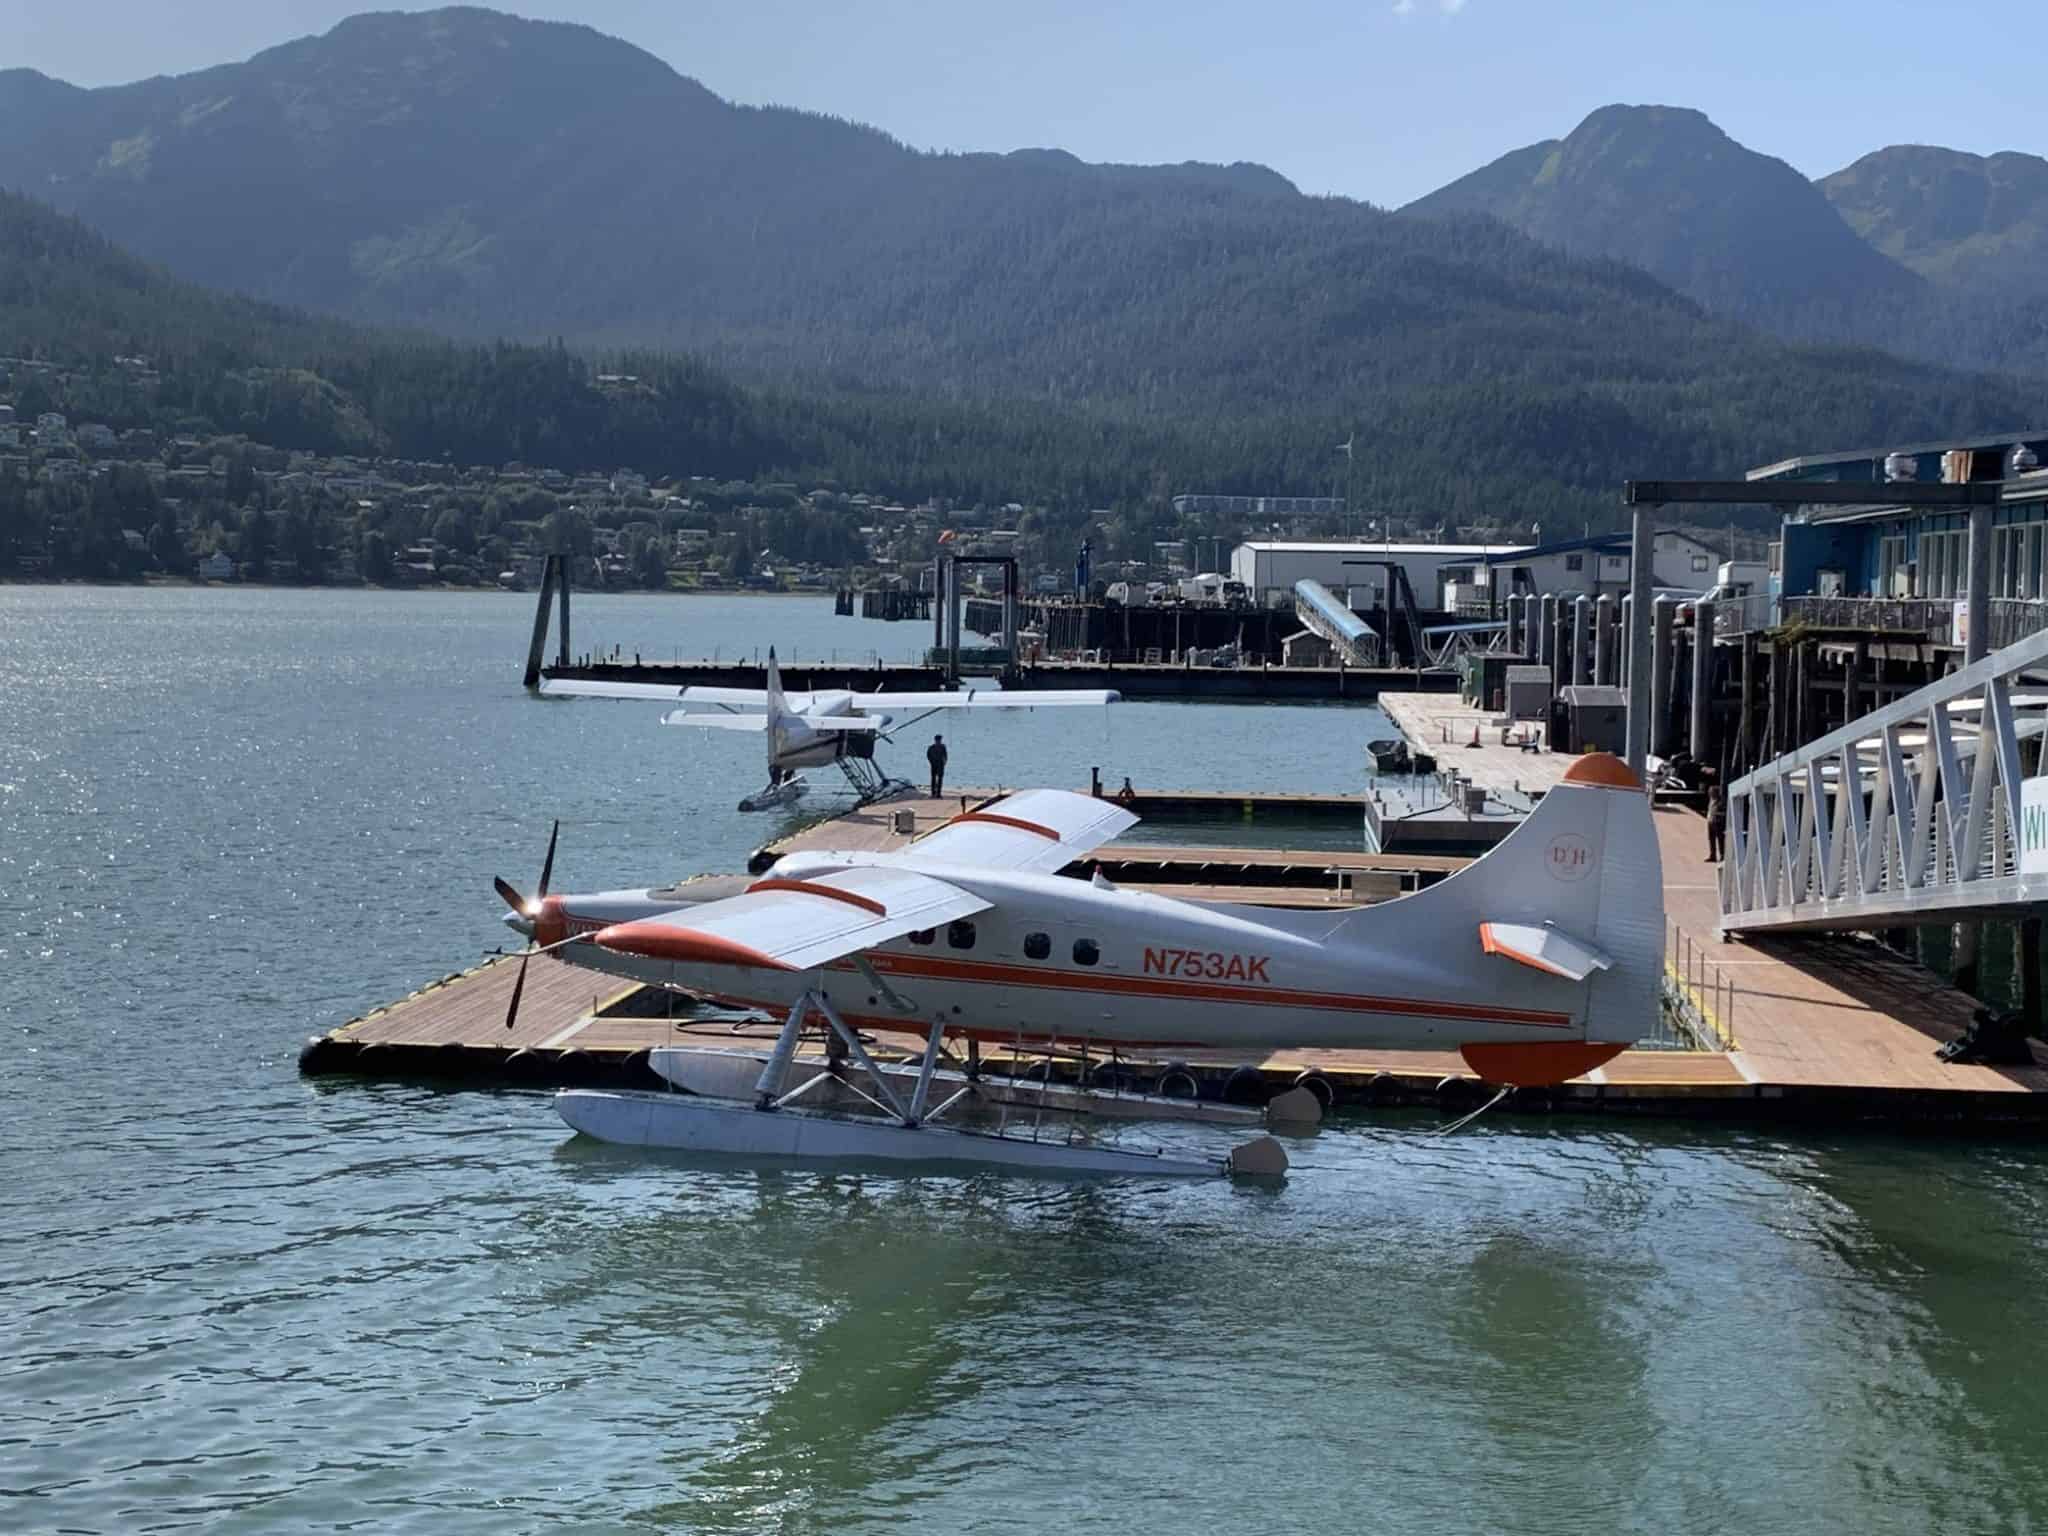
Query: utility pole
[{"x": 1642, "y": 545}]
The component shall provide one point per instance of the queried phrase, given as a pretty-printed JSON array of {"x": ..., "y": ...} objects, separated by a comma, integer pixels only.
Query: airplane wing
[
  {"x": 987, "y": 698},
  {"x": 784, "y": 924},
  {"x": 1035, "y": 829},
  {"x": 576, "y": 688}
]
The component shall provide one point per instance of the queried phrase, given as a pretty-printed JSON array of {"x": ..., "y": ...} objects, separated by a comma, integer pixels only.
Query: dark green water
[{"x": 234, "y": 1301}]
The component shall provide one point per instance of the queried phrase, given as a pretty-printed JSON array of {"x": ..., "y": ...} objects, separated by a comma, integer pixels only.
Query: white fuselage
[{"x": 1055, "y": 958}]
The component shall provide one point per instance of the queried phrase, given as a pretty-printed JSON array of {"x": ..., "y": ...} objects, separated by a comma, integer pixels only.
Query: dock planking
[
  {"x": 1441, "y": 724},
  {"x": 1839, "y": 1029}
]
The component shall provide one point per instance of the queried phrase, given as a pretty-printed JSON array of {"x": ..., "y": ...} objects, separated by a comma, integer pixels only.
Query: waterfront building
[
  {"x": 1598, "y": 566},
  {"x": 1269, "y": 568},
  {"x": 1880, "y": 567}
]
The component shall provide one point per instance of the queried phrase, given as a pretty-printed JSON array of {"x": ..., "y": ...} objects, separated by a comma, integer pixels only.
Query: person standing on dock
[
  {"x": 1717, "y": 823},
  {"x": 935, "y": 754}
]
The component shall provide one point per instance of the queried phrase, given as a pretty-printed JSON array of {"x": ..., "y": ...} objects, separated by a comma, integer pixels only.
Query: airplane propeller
[{"x": 509, "y": 894}]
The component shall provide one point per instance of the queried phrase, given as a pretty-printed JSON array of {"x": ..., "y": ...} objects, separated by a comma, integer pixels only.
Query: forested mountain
[
  {"x": 1924, "y": 252},
  {"x": 1965, "y": 222},
  {"x": 1663, "y": 189},
  {"x": 975, "y": 326}
]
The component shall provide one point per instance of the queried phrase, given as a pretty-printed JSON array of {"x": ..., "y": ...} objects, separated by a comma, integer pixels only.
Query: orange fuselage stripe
[{"x": 938, "y": 968}]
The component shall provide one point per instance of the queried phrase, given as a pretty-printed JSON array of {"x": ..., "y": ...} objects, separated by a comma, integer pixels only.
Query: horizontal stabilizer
[
  {"x": 760, "y": 722},
  {"x": 717, "y": 722},
  {"x": 741, "y": 698},
  {"x": 1543, "y": 949}
]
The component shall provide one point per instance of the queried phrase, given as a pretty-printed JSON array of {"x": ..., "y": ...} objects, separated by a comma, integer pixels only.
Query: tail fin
[{"x": 1575, "y": 893}]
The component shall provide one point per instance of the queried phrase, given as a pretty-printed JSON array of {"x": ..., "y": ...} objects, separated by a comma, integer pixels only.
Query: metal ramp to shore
[
  {"x": 1917, "y": 812},
  {"x": 1323, "y": 613}
]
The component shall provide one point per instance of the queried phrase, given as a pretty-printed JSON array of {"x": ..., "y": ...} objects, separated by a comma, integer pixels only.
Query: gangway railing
[
  {"x": 1915, "y": 812},
  {"x": 1324, "y": 613}
]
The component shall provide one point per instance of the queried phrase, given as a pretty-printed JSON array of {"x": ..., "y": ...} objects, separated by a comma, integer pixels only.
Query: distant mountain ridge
[
  {"x": 1932, "y": 252},
  {"x": 1663, "y": 189},
  {"x": 973, "y": 321},
  {"x": 1960, "y": 220}
]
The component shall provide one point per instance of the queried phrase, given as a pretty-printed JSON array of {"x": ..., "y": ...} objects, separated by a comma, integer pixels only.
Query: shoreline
[{"x": 477, "y": 590}]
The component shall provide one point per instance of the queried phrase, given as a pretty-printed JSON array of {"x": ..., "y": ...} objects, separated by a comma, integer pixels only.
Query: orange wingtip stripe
[
  {"x": 813, "y": 888},
  {"x": 1604, "y": 769},
  {"x": 686, "y": 946},
  {"x": 1538, "y": 1063},
  {"x": 1005, "y": 821}
]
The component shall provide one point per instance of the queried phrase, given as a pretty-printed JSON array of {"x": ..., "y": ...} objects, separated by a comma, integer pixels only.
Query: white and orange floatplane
[{"x": 1537, "y": 963}]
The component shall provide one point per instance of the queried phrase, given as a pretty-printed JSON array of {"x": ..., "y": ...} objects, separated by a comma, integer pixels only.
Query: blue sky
[{"x": 1382, "y": 100}]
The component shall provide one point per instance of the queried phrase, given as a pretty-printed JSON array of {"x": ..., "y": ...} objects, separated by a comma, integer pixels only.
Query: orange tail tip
[
  {"x": 666, "y": 941},
  {"x": 1603, "y": 769},
  {"x": 1539, "y": 1063}
]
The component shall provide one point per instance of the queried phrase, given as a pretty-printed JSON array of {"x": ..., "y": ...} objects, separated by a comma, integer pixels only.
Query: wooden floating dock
[{"x": 1838, "y": 1030}]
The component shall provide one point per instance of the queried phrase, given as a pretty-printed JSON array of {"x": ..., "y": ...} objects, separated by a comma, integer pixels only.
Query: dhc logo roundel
[{"x": 1569, "y": 857}]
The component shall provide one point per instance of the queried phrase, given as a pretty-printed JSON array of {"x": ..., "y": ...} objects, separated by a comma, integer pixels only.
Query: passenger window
[
  {"x": 1037, "y": 945},
  {"x": 960, "y": 934},
  {"x": 1086, "y": 952},
  {"x": 921, "y": 936}
]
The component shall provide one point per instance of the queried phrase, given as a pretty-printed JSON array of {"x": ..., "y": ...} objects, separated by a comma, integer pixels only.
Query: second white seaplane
[
  {"x": 1537, "y": 963},
  {"x": 808, "y": 730}
]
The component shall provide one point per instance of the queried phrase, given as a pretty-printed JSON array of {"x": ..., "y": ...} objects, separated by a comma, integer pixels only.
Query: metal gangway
[
  {"x": 1916, "y": 812},
  {"x": 1324, "y": 613}
]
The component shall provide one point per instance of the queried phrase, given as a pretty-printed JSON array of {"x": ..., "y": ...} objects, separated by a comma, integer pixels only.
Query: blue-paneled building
[{"x": 1914, "y": 562}]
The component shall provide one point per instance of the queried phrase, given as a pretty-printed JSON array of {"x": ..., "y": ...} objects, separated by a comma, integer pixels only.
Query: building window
[
  {"x": 1894, "y": 579},
  {"x": 960, "y": 934},
  {"x": 1086, "y": 952},
  {"x": 1941, "y": 563},
  {"x": 1037, "y": 945},
  {"x": 1575, "y": 562},
  {"x": 1701, "y": 563},
  {"x": 921, "y": 936}
]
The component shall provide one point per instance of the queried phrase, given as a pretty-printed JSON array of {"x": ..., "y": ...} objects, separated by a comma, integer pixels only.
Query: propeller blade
[
  {"x": 508, "y": 895},
  {"x": 518, "y": 986},
  {"x": 547, "y": 867}
]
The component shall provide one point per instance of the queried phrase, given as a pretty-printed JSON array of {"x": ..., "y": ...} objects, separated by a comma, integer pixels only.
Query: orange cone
[{"x": 1475, "y": 735}]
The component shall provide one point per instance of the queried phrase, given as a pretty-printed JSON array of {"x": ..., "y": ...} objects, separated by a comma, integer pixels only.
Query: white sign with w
[{"x": 2034, "y": 827}]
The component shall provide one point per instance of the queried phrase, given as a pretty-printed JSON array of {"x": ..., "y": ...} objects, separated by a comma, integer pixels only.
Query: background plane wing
[
  {"x": 1034, "y": 829},
  {"x": 576, "y": 688},
  {"x": 987, "y": 698},
  {"x": 779, "y": 923}
]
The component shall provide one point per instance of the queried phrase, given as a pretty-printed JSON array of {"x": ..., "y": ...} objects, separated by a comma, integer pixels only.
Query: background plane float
[
  {"x": 1537, "y": 963},
  {"x": 806, "y": 730}
]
